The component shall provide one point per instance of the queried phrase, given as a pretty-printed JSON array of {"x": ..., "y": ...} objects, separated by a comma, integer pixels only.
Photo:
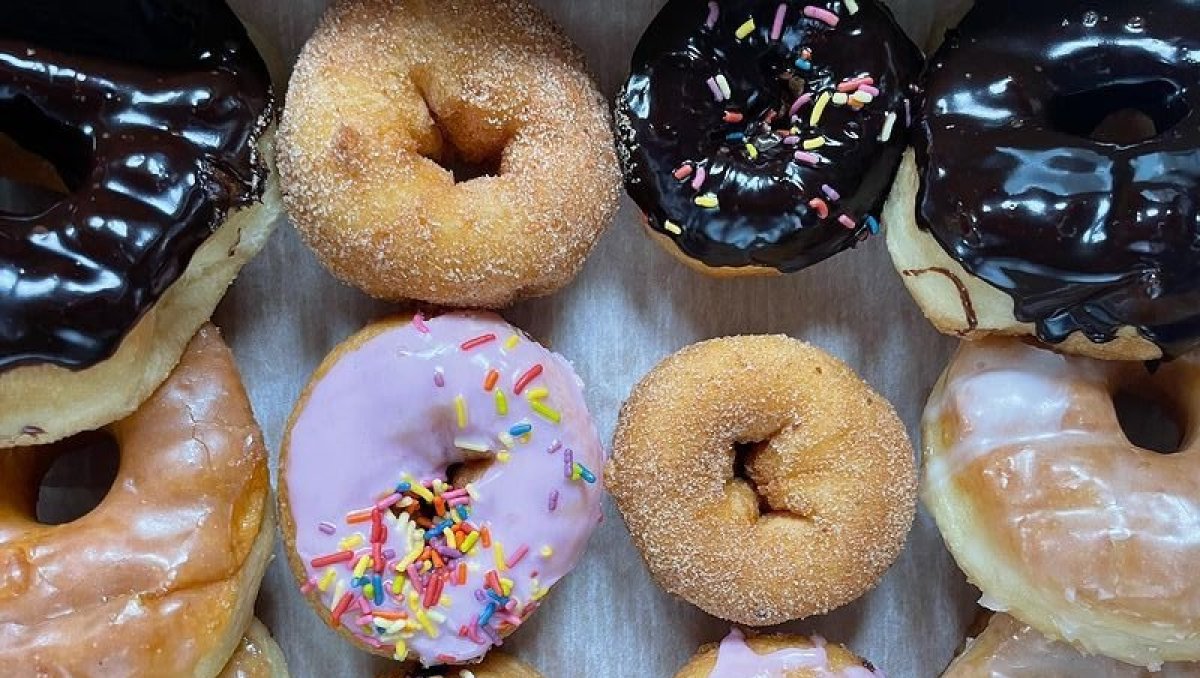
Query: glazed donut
[
  {"x": 495, "y": 665},
  {"x": 381, "y": 138},
  {"x": 1036, "y": 204},
  {"x": 828, "y": 461},
  {"x": 160, "y": 578},
  {"x": 1053, "y": 512},
  {"x": 776, "y": 656},
  {"x": 761, "y": 137},
  {"x": 158, "y": 119},
  {"x": 1009, "y": 649},
  {"x": 400, "y": 561},
  {"x": 258, "y": 656}
]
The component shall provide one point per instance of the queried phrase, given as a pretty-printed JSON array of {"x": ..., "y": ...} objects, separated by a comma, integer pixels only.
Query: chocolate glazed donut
[
  {"x": 1031, "y": 183},
  {"x": 762, "y": 136},
  {"x": 150, "y": 111}
]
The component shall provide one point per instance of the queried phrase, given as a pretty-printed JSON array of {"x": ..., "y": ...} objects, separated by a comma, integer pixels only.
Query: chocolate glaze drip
[
  {"x": 150, "y": 111},
  {"x": 1031, "y": 182},
  {"x": 668, "y": 117}
]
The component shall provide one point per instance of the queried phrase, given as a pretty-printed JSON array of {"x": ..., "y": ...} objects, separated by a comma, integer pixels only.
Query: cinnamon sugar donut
[
  {"x": 1051, "y": 510},
  {"x": 390, "y": 94},
  {"x": 1009, "y": 649},
  {"x": 258, "y": 656},
  {"x": 160, "y": 578},
  {"x": 829, "y": 463}
]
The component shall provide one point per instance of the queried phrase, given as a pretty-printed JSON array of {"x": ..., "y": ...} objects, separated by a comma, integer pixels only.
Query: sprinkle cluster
[
  {"x": 388, "y": 596},
  {"x": 796, "y": 128}
]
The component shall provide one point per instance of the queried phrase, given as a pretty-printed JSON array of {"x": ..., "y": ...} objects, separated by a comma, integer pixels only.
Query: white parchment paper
[{"x": 632, "y": 306}]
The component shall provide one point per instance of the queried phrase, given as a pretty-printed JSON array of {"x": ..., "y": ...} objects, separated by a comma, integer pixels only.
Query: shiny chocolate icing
[
  {"x": 720, "y": 173},
  {"x": 1031, "y": 181},
  {"x": 150, "y": 111}
]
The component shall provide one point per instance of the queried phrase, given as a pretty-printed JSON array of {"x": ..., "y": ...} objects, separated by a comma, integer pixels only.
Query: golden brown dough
[
  {"x": 830, "y": 480},
  {"x": 160, "y": 578},
  {"x": 258, "y": 656},
  {"x": 833, "y": 661}
]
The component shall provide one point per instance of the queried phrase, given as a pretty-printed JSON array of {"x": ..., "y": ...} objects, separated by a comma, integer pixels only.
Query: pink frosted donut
[{"x": 437, "y": 478}]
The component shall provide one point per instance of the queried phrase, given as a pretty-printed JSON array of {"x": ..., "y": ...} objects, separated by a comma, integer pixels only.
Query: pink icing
[
  {"x": 736, "y": 659},
  {"x": 378, "y": 414}
]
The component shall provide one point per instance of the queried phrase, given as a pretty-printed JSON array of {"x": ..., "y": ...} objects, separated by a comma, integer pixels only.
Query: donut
[
  {"x": 472, "y": 174},
  {"x": 258, "y": 656},
  {"x": 776, "y": 656},
  {"x": 495, "y": 665},
  {"x": 761, "y": 137},
  {"x": 152, "y": 126},
  {"x": 1050, "y": 192},
  {"x": 464, "y": 486},
  {"x": 160, "y": 578},
  {"x": 748, "y": 441},
  {"x": 1051, "y": 510},
  {"x": 1011, "y": 649}
]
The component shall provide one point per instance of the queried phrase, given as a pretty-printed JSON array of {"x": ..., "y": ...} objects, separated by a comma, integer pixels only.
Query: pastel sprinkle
[
  {"x": 808, "y": 158},
  {"x": 460, "y": 411},
  {"x": 813, "y": 144},
  {"x": 726, "y": 92},
  {"x": 733, "y": 117},
  {"x": 352, "y": 542},
  {"x": 327, "y": 527},
  {"x": 830, "y": 192},
  {"x": 819, "y": 109},
  {"x": 339, "y": 557},
  {"x": 498, "y": 556},
  {"x": 553, "y": 505},
  {"x": 745, "y": 29},
  {"x": 554, "y": 447},
  {"x": 854, "y": 83},
  {"x": 501, "y": 403},
  {"x": 777, "y": 26},
  {"x": 821, "y": 14},
  {"x": 439, "y": 378},
  {"x": 517, "y": 557},
  {"x": 852, "y": 6},
  {"x": 820, "y": 206},
  {"x": 527, "y": 378},
  {"x": 672, "y": 228},
  {"x": 545, "y": 412},
  {"x": 568, "y": 463},
  {"x": 327, "y": 580},
  {"x": 477, "y": 342},
  {"x": 418, "y": 322},
  {"x": 547, "y": 551},
  {"x": 585, "y": 473},
  {"x": 800, "y": 102},
  {"x": 804, "y": 64},
  {"x": 715, "y": 89},
  {"x": 862, "y": 96},
  {"x": 683, "y": 172},
  {"x": 873, "y": 91},
  {"x": 489, "y": 381},
  {"x": 519, "y": 430},
  {"x": 752, "y": 151},
  {"x": 707, "y": 201},
  {"x": 698, "y": 180},
  {"x": 840, "y": 99},
  {"x": 873, "y": 225},
  {"x": 846, "y": 221},
  {"x": 889, "y": 123},
  {"x": 512, "y": 342},
  {"x": 714, "y": 12}
]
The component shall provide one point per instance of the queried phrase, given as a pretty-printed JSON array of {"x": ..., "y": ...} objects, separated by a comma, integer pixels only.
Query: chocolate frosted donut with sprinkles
[
  {"x": 437, "y": 478},
  {"x": 760, "y": 136}
]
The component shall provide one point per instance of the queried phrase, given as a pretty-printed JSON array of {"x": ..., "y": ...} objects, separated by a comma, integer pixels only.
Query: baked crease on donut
[
  {"x": 1051, "y": 189},
  {"x": 776, "y": 656},
  {"x": 1010, "y": 649},
  {"x": 463, "y": 488},
  {"x": 469, "y": 174},
  {"x": 151, "y": 127},
  {"x": 160, "y": 578},
  {"x": 829, "y": 479},
  {"x": 1051, "y": 510},
  {"x": 760, "y": 137},
  {"x": 257, "y": 656}
]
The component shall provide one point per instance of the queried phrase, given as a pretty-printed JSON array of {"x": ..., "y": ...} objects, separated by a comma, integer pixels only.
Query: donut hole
[
  {"x": 1149, "y": 421},
  {"x": 463, "y": 169},
  {"x": 78, "y": 479},
  {"x": 743, "y": 458},
  {"x": 41, "y": 160},
  {"x": 1120, "y": 113}
]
